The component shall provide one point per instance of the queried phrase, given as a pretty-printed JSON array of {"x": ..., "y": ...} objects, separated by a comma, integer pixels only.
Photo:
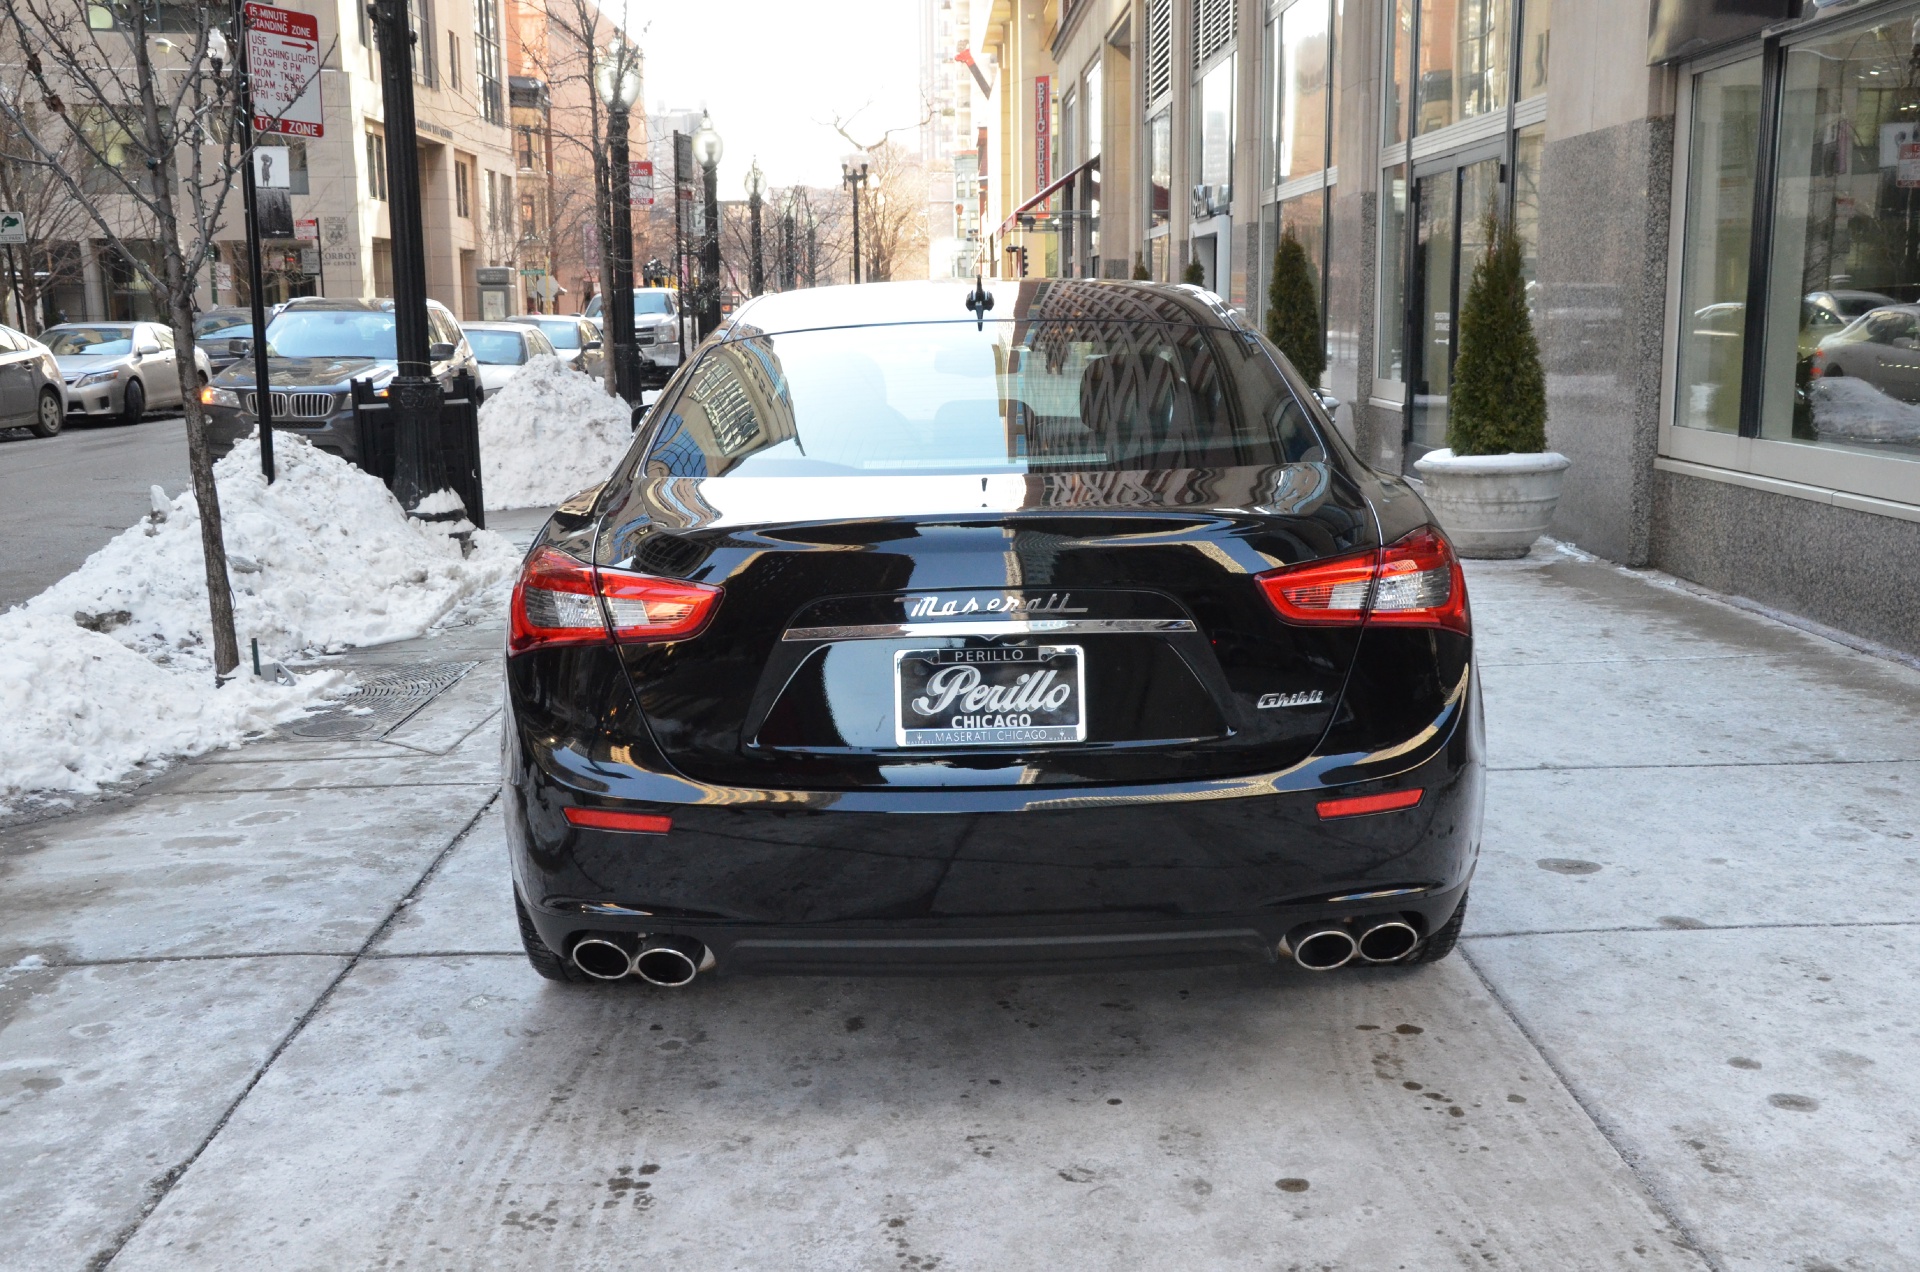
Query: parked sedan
[
  {"x": 503, "y": 348},
  {"x": 316, "y": 349},
  {"x": 576, "y": 339},
  {"x": 919, "y": 635},
  {"x": 1882, "y": 348},
  {"x": 120, "y": 368},
  {"x": 215, "y": 331},
  {"x": 32, "y": 394}
]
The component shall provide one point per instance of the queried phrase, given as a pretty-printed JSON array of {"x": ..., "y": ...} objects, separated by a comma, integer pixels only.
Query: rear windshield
[
  {"x": 94, "y": 341},
  {"x": 565, "y": 333},
  {"x": 331, "y": 333},
  {"x": 949, "y": 397},
  {"x": 502, "y": 348}
]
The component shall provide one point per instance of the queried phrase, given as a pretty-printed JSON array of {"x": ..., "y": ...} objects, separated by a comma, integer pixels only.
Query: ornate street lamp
[
  {"x": 617, "y": 78},
  {"x": 756, "y": 265},
  {"x": 707, "y": 149},
  {"x": 856, "y": 179}
]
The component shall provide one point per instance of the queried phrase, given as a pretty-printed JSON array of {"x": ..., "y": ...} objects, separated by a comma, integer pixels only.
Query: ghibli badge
[{"x": 1308, "y": 698}]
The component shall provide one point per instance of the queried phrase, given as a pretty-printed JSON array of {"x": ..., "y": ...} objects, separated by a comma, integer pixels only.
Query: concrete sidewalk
[{"x": 272, "y": 1011}]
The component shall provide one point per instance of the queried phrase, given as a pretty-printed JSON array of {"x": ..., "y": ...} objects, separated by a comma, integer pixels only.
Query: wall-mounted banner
[{"x": 1042, "y": 131}]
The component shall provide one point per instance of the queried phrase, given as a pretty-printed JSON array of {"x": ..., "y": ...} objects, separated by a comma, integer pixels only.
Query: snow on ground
[
  {"x": 1851, "y": 409},
  {"x": 111, "y": 668},
  {"x": 550, "y": 433}
]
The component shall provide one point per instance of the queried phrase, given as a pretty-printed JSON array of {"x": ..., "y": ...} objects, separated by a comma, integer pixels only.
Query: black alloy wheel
[
  {"x": 51, "y": 415},
  {"x": 1441, "y": 943},
  {"x": 136, "y": 405}
]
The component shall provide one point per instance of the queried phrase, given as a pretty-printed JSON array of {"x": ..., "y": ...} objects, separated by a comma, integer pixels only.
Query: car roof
[
  {"x": 501, "y": 325},
  {"x": 1015, "y": 300},
  {"x": 339, "y": 303}
]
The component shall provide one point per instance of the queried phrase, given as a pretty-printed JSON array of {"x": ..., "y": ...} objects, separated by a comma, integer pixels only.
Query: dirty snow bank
[
  {"x": 1851, "y": 409},
  {"x": 549, "y": 433},
  {"x": 111, "y": 668}
]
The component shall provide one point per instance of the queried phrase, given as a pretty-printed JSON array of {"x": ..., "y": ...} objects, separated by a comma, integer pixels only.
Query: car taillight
[
  {"x": 561, "y": 600},
  {"x": 1819, "y": 365},
  {"x": 1412, "y": 582}
]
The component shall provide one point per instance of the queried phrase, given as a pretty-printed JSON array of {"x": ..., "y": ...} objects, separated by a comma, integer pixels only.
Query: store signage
[
  {"x": 640, "y": 182},
  {"x": 283, "y": 63},
  {"x": 1042, "y": 132}
]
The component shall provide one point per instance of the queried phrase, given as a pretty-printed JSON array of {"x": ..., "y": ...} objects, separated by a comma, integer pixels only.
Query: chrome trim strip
[
  {"x": 1375, "y": 896},
  {"x": 998, "y": 627}
]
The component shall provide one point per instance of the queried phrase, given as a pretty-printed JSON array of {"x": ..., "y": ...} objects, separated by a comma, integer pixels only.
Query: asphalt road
[{"x": 62, "y": 497}]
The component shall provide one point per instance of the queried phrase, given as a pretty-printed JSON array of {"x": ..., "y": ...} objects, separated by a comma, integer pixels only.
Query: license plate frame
[{"x": 1010, "y": 672}]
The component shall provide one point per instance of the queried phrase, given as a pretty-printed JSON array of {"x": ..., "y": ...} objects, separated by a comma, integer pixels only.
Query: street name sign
[
  {"x": 13, "y": 229},
  {"x": 283, "y": 62}
]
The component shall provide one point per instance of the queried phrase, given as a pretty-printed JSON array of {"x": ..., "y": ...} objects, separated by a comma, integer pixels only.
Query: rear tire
[
  {"x": 540, "y": 954},
  {"x": 1441, "y": 943},
  {"x": 136, "y": 403},
  {"x": 51, "y": 416}
]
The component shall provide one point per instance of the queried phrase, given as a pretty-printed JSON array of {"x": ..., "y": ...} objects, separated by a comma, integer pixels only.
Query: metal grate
[
  {"x": 382, "y": 704},
  {"x": 1212, "y": 29},
  {"x": 1159, "y": 50}
]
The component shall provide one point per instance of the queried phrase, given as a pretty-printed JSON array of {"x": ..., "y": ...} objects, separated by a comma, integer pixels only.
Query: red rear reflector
[
  {"x": 1412, "y": 582},
  {"x": 608, "y": 819},
  {"x": 1360, "y": 805},
  {"x": 561, "y": 600}
]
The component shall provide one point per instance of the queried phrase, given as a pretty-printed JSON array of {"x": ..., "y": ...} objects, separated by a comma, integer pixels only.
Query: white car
[
  {"x": 120, "y": 368},
  {"x": 503, "y": 348}
]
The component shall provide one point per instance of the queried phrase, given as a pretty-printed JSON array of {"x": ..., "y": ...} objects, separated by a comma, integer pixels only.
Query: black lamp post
[
  {"x": 707, "y": 149},
  {"x": 413, "y": 395},
  {"x": 756, "y": 265},
  {"x": 618, "y": 79},
  {"x": 813, "y": 248},
  {"x": 789, "y": 265},
  {"x": 856, "y": 178}
]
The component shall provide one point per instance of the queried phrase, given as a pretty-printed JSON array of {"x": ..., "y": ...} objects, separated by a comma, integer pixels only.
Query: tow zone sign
[{"x": 283, "y": 62}]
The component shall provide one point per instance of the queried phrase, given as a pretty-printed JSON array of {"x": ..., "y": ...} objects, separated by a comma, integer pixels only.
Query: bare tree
[
  {"x": 150, "y": 153},
  {"x": 893, "y": 202},
  {"x": 54, "y": 219}
]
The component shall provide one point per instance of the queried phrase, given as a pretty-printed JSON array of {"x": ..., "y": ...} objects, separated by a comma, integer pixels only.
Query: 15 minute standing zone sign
[{"x": 283, "y": 62}]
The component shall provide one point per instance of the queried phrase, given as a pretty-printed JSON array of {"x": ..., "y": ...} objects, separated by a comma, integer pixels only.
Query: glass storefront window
[
  {"x": 1160, "y": 163},
  {"x": 1529, "y": 152},
  {"x": 1300, "y": 90},
  {"x": 1842, "y": 364},
  {"x": 1536, "y": 24},
  {"x": 1091, "y": 96},
  {"x": 1391, "y": 341},
  {"x": 1399, "y": 46},
  {"x": 1464, "y": 46},
  {"x": 1722, "y": 154},
  {"x": 1213, "y": 166}
]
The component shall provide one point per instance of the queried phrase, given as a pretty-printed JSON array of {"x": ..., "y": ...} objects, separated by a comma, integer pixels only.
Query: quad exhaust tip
[
  {"x": 1388, "y": 942},
  {"x": 668, "y": 961},
  {"x": 1326, "y": 947}
]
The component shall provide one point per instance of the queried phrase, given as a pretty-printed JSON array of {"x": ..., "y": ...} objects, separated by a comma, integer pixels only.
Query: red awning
[{"x": 1046, "y": 194}]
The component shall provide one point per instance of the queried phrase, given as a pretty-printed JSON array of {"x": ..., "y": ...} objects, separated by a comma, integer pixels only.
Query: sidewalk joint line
[
  {"x": 158, "y": 1191},
  {"x": 1704, "y": 927},
  {"x": 1692, "y": 764},
  {"x": 1648, "y": 1185}
]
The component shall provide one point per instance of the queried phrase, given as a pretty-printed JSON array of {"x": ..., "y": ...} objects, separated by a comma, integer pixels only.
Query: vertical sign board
[
  {"x": 640, "y": 182},
  {"x": 1042, "y": 132},
  {"x": 283, "y": 60}
]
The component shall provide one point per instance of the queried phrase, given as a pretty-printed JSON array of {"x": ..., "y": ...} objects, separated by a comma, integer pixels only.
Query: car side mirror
[
  {"x": 240, "y": 348},
  {"x": 441, "y": 351},
  {"x": 1328, "y": 400},
  {"x": 146, "y": 350},
  {"x": 589, "y": 345}
]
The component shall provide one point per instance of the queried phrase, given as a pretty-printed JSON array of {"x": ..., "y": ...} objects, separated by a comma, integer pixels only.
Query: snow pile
[
  {"x": 112, "y": 668},
  {"x": 551, "y": 432},
  {"x": 1850, "y": 409}
]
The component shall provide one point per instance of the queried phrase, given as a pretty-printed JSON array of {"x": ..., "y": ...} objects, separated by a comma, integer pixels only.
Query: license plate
[{"x": 989, "y": 697}]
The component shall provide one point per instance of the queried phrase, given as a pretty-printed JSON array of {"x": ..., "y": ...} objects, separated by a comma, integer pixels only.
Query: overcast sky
[{"x": 774, "y": 73}]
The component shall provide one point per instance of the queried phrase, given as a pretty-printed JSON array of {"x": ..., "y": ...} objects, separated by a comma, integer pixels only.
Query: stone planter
[{"x": 1492, "y": 506}]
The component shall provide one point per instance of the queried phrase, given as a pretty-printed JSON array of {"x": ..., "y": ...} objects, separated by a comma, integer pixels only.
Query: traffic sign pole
[{"x": 262, "y": 389}]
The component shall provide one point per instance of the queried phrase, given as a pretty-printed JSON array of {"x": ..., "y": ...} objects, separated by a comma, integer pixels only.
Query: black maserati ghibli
[{"x": 1048, "y": 625}]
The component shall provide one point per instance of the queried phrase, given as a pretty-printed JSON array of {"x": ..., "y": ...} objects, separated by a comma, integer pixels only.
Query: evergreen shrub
[
  {"x": 1293, "y": 310},
  {"x": 1498, "y": 401},
  {"x": 1195, "y": 273},
  {"x": 1140, "y": 271}
]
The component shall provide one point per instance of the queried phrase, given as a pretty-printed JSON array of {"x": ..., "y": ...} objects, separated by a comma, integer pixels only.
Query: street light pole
[
  {"x": 619, "y": 83},
  {"x": 756, "y": 264},
  {"x": 856, "y": 179},
  {"x": 707, "y": 149},
  {"x": 413, "y": 396}
]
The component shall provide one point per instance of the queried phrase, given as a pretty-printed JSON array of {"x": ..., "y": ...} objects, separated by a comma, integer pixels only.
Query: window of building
[
  {"x": 1536, "y": 24},
  {"x": 453, "y": 61},
  {"x": 1213, "y": 138},
  {"x": 462, "y": 190},
  {"x": 1722, "y": 158},
  {"x": 1090, "y": 97},
  {"x": 1399, "y": 75},
  {"x": 524, "y": 135},
  {"x": 1300, "y": 46},
  {"x": 1159, "y": 168},
  {"x": 529, "y": 219},
  {"x": 376, "y": 166},
  {"x": 1391, "y": 344},
  {"x": 486, "y": 57}
]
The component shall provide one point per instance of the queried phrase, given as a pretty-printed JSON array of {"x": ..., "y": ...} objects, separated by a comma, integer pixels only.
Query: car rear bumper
[{"x": 993, "y": 880}]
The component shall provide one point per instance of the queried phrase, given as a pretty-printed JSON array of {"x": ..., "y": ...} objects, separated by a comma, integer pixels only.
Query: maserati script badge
[{"x": 1309, "y": 698}]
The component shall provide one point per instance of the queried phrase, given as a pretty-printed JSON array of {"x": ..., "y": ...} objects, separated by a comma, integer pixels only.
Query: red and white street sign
[
  {"x": 640, "y": 182},
  {"x": 283, "y": 62}
]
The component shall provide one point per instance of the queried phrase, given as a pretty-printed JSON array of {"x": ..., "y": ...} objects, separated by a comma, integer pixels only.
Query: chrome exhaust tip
[
  {"x": 1388, "y": 942},
  {"x": 1324, "y": 947},
  {"x": 604, "y": 957},
  {"x": 670, "y": 961}
]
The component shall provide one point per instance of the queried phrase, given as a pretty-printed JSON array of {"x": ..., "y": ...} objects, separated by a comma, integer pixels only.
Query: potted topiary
[
  {"x": 1495, "y": 485},
  {"x": 1293, "y": 310}
]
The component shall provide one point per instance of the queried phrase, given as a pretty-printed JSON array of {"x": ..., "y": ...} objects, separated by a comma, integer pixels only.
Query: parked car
[
  {"x": 32, "y": 393},
  {"x": 215, "y": 331},
  {"x": 575, "y": 338},
  {"x": 914, "y": 634},
  {"x": 502, "y": 348},
  {"x": 1881, "y": 347},
  {"x": 316, "y": 348},
  {"x": 656, "y": 316},
  {"x": 120, "y": 369},
  {"x": 1824, "y": 312}
]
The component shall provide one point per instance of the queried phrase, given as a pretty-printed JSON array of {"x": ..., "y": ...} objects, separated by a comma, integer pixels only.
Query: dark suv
[{"x": 316, "y": 348}]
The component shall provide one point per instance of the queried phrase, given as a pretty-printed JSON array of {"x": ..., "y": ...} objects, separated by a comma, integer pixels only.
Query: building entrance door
[{"x": 1452, "y": 198}]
